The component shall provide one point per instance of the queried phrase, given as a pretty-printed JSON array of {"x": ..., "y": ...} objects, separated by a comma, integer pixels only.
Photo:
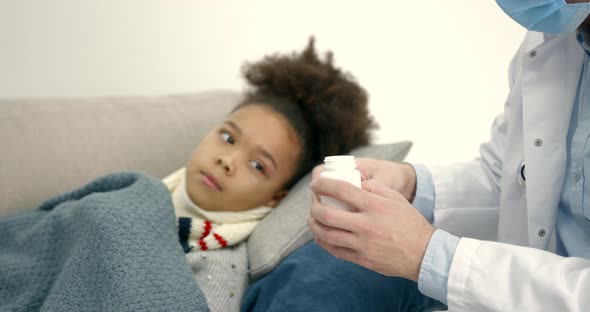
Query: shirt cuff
[
  {"x": 436, "y": 264},
  {"x": 425, "y": 196}
]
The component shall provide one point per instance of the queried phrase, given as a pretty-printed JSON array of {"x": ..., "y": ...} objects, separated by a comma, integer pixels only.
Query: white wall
[{"x": 436, "y": 71}]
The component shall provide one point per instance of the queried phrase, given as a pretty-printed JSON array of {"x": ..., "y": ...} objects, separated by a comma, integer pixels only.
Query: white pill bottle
[{"x": 340, "y": 168}]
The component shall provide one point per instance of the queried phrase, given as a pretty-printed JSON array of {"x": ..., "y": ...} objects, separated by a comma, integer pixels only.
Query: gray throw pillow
[{"x": 285, "y": 228}]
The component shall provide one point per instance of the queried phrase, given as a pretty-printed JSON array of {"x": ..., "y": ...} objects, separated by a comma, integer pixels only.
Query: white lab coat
[{"x": 484, "y": 199}]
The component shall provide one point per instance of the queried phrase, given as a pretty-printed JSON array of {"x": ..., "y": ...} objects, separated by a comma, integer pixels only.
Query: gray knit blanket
[{"x": 111, "y": 245}]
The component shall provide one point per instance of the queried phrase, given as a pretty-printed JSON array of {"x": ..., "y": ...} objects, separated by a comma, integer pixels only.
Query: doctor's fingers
[
  {"x": 368, "y": 167},
  {"x": 332, "y": 236},
  {"x": 333, "y": 217},
  {"x": 378, "y": 188},
  {"x": 316, "y": 172},
  {"x": 342, "y": 191}
]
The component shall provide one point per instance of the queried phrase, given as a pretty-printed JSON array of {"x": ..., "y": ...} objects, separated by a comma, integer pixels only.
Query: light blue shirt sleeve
[
  {"x": 424, "y": 198},
  {"x": 436, "y": 264}
]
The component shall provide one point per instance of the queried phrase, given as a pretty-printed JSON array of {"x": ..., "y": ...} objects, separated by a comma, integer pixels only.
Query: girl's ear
[{"x": 276, "y": 199}]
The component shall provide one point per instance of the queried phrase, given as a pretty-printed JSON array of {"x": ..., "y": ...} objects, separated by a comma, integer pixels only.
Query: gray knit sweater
[{"x": 222, "y": 275}]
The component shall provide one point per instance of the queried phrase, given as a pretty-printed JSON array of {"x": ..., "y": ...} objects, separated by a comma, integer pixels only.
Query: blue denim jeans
[{"x": 310, "y": 279}]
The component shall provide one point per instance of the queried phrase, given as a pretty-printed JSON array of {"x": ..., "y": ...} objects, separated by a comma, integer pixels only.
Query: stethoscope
[{"x": 521, "y": 174}]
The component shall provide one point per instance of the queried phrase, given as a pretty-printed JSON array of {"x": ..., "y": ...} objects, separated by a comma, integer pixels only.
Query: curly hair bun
[
  {"x": 331, "y": 102},
  {"x": 328, "y": 97}
]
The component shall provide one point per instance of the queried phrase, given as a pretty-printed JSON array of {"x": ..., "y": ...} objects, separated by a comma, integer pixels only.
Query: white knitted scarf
[{"x": 200, "y": 229}]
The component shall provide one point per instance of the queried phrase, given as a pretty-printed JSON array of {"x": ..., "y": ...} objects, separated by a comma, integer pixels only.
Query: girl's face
[{"x": 245, "y": 162}]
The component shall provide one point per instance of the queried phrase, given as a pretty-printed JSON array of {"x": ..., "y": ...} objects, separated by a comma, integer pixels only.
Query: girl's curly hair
[{"x": 326, "y": 107}]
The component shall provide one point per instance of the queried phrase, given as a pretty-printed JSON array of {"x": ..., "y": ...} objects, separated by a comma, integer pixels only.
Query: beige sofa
[{"x": 50, "y": 146}]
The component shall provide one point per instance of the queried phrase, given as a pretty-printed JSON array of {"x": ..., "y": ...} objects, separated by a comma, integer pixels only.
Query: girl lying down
[{"x": 299, "y": 109}]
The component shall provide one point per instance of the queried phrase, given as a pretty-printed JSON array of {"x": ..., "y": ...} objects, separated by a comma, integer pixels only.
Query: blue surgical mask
[{"x": 548, "y": 16}]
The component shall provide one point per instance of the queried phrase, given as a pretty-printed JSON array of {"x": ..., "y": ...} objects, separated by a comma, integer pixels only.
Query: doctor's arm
[
  {"x": 489, "y": 276},
  {"x": 391, "y": 237},
  {"x": 476, "y": 275}
]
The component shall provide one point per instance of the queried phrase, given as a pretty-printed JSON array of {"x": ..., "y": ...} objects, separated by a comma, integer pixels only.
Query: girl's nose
[{"x": 226, "y": 163}]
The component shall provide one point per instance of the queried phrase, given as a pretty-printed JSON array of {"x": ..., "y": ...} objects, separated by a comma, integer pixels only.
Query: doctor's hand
[
  {"x": 386, "y": 234},
  {"x": 398, "y": 176}
]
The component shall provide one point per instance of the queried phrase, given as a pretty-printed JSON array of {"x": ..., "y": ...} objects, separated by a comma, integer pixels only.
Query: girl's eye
[
  {"x": 227, "y": 138},
  {"x": 256, "y": 165}
]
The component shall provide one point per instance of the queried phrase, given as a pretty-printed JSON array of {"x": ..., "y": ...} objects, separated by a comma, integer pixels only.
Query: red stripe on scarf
[
  {"x": 220, "y": 239},
  {"x": 203, "y": 244},
  {"x": 207, "y": 229}
]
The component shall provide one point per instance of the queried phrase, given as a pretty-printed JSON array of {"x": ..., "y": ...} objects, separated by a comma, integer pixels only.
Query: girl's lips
[{"x": 210, "y": 181}]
